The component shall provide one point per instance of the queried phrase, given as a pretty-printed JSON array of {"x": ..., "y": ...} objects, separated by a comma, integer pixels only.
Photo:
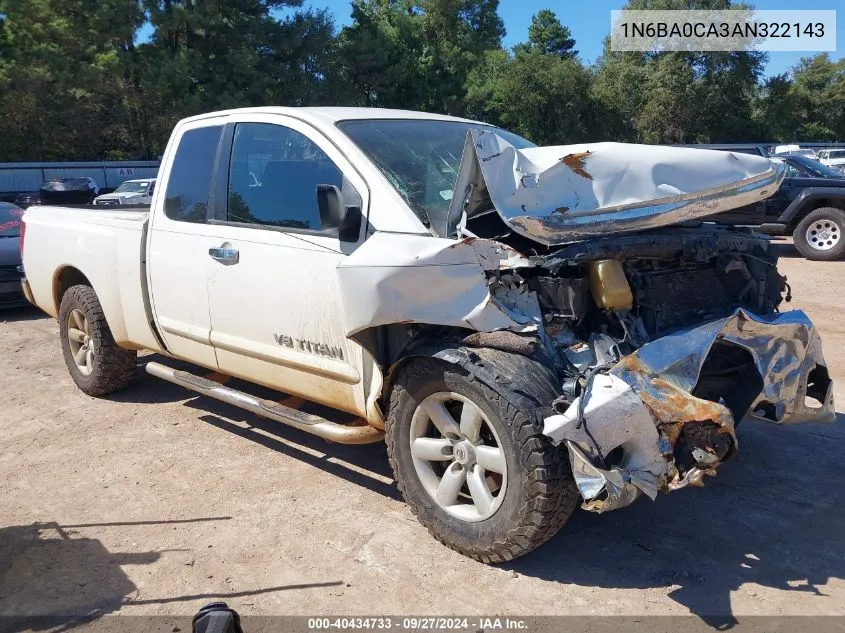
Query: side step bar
[{"x": 307, "y": 422}]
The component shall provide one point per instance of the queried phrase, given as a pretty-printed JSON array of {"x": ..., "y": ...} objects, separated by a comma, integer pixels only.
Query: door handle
[{"x": 225, "y": 254}]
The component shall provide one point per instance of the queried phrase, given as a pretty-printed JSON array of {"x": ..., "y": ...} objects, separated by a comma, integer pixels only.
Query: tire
[
  {"x": 108, "y": 368},
  {"x": 828, "y": 222},
  {"x": 539, "y": 493}
]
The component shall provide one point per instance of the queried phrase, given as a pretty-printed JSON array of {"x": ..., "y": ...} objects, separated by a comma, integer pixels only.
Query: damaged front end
[
  {"x": 669, "y": 355},
  {"x": 664, "y": 416},
  {"x": 660, "y": 337}
]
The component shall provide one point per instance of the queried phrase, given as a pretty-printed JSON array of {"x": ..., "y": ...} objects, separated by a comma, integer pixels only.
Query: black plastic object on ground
[{"x": 217, "y": 617}]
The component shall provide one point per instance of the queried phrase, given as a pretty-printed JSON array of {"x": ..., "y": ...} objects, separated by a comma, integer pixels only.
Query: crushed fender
[{"x": 643, "y": 426}]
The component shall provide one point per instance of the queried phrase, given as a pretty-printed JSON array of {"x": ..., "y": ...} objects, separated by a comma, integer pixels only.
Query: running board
[{"x": 307, "y": 422}]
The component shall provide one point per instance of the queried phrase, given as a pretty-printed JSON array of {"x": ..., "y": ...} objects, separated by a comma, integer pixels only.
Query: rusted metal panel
[
  {"x": 794, "y": 387},
  {"x": 561, "y": 194}
]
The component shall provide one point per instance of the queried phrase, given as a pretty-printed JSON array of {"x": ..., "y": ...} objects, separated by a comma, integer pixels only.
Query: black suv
[{"x": 810, "y": 205}]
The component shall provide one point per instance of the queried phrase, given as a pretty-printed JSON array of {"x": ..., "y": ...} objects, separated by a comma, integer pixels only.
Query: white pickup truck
[{"x": 530, "y": 329}]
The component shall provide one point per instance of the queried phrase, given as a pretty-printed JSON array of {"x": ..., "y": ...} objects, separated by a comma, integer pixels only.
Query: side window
[
  {"x": 190, "y": 176},
  {"x": 273, "y": 177},
  {"x": 791, "y": 172}
]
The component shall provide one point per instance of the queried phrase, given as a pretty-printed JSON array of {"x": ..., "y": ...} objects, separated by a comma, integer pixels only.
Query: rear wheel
[
  {"x": 474, "y": 469},
  {"x": 96, "y": 363},
  {"x": 819, "y": 236}
]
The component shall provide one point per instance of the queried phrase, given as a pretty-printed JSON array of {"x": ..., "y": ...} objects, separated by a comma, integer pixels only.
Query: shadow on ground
[
  {"x": 364, "y": 465},
  {"x": 51, "y": 578},
  {"x": 23, "y": 313},
  {"x": 773, "y": 517}
]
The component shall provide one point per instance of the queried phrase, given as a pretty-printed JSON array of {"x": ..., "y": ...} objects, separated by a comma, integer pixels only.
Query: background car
[
  {"x": 27, "y": 199},
  {"x": 11, "y": 269},
  {"x": 809, "y": 205},
  {"x": 138, "y": 191},
  {"x": 833, "y": 158}
]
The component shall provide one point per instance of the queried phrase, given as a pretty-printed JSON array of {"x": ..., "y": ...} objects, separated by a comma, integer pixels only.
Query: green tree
[
  {"x": 548, "y": 36},
  {"x": 61, "y": 86},
  {"x": 681, "y": 97},
  {"x": 417, "y": 54},
  {"x": 818, "y": 91}
]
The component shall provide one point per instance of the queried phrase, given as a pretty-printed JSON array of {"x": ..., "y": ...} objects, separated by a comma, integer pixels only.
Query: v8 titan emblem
[{"x": 318, "y": 349}]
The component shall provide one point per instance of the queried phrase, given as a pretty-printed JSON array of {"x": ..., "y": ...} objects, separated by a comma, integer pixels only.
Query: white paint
[
  {"x": 615, "y": 416},
  {"x": 599, "y": 188}
]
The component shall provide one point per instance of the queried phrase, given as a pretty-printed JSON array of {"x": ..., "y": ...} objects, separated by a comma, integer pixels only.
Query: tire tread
[
  {"x": 551, "y": 495},
  {"x": 115, "y": 366}
]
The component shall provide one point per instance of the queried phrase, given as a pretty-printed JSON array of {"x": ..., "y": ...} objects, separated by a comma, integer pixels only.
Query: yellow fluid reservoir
[{"x": 610, "y": 289}]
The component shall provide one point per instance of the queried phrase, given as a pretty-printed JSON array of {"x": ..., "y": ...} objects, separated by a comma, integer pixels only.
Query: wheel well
[
  {"x": 66, "y": 279},
  {"x": 817, "y": 203}
]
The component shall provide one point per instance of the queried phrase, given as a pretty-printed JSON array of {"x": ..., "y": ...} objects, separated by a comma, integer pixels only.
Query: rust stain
[
  {"x": 532, "y": 225},
  {"x": 292, "y": 402},
  {"x": 218, "y": 377},
  {"x": 575, "y": 162},
  {"x": 466, "y": 240},
  {"x": 561, "y": 210}
]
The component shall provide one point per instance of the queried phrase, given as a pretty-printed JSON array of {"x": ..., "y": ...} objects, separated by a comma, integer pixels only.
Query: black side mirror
[{"x": 335, "y": 214}]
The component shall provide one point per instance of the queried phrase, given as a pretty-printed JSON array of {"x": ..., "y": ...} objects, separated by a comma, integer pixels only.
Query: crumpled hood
[{"x": 560, "y": 194}]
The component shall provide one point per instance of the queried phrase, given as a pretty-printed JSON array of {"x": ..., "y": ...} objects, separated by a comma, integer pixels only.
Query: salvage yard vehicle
[
  {"x": 809, "y": 205},
  {"x": 833, "y": 158},
  {"x": 528, "y": 328},
  {"x": 11, "y": 272},
  {"x": 131, "y": 192}
]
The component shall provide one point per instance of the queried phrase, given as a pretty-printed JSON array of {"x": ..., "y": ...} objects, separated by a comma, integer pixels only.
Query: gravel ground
[{"x": 155, "y": 501}]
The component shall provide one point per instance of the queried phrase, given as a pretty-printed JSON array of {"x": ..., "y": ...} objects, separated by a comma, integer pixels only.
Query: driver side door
[{"x": 273, "y": 297}]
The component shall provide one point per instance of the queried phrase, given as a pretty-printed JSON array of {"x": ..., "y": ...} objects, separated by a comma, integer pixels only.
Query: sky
[{"x": 590, "y": 26}]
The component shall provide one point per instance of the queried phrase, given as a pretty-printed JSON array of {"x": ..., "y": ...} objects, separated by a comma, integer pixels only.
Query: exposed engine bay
[
  {"x": 664, "y": 341},
  {"x": 660, "y": 332},
  {"x": 659, "y": 342}
]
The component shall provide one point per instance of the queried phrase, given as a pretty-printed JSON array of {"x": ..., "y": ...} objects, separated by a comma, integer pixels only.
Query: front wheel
[
  {"x": 95, "y": 362},
  {"x": 473, "y": 468},
  {"x": 819, "y": 236}
]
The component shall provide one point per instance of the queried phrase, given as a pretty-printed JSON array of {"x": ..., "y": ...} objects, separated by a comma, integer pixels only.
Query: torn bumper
[{"x": 641, "y": 429}]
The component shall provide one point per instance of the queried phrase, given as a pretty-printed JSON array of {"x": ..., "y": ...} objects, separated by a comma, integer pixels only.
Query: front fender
[
  {"x": 804, "y": 201},
  {"x": 529, "y": 384}
]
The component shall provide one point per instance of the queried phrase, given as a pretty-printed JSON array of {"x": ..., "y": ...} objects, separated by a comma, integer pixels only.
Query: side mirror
[{"x": 335, "y": 214}]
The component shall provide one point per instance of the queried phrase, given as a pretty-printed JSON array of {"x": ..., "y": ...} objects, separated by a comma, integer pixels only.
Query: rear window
[
  {"x": 190, "y": 176},
  {"x": 10, "y": 220}
]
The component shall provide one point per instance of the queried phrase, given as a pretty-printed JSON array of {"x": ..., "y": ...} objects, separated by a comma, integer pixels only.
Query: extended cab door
[
  {"x": 177, "y": 248},
  {"x": 272, "y": 287}
]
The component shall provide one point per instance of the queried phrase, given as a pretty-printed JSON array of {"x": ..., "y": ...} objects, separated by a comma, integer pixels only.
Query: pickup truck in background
[
  {"x": 528, "y": 328},
  {"x": 131, "y": 192}
]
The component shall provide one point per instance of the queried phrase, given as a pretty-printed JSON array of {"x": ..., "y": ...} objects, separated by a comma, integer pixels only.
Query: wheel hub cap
[
  {"x": 458, "y": 457},
  {"x": 464, "y": 453},
  {"x": 80, "y": 343},
  {"x": 823, "y": 235}
]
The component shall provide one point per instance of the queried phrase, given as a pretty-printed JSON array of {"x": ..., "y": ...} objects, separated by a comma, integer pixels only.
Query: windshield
[
  {"x": 420, "y": 158},
  {"x": 132, "y": 187},
  {"x": 10, "y": 220},
  {"x": 813, "y": 167}
]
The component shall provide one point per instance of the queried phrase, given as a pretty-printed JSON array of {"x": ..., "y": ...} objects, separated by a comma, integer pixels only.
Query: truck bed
[{"x": 103, "y": 245}]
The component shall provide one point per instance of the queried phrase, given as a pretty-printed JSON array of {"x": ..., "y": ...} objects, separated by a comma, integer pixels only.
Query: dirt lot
[{"x": 155, "y": 501}]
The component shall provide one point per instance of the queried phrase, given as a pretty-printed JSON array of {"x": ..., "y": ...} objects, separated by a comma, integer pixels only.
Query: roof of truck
[{"x": 333, "y": 114}]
